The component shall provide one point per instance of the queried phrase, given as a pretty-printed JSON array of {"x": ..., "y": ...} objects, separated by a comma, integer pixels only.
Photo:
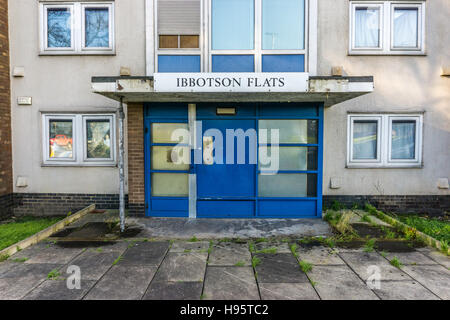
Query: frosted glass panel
[
  {"x": 291, "y": 131},
  {"x": 162, "y": 132},
  {"x": 405, "y": 28},
  {"x": 287, "y": 185},
  {"x": 170, "y": 158},
  {"x": 59, "y": 34},
  {"x": 367, "y": 27},
  {"x": 97, "y": 27},
  {"x": 283, "y": 24},
  {"x": 292, "y": 158},
  {"x": 365, "y": 139},
  {"x": 232, "y": 24},
  {"x": 98, "y": 133},
  {"x": 170, "y": 184},
  {"x": 403, "y": 139}
]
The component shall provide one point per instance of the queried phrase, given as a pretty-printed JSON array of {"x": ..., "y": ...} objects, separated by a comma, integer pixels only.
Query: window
[
  {"x": 178, "y": 36},
  {"x": 78, "y": 139},
  {"x": 384, "y": 141},
  {"x": 77, "y": 28},
  {"x": 258, "y": 35},
  {"x": 387, "y": 27}
]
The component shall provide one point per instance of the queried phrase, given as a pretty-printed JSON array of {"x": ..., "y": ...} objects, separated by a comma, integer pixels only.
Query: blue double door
[{"x": 226, "y": 177}]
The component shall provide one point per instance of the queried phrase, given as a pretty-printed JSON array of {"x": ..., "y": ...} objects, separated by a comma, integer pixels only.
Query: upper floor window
[
  {"x": 230, "y": 35},
  {"x": 387, "y": 27},
  {"x": 77, "y": 28},
  {"x": 384, "y": 140}
]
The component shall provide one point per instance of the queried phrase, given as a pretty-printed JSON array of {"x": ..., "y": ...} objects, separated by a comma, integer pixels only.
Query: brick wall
[
  {"x": 136, "y": 163},
  {"x": 45, "y": 204},
  {"x": 426, "y": 204},
  {"x": 5, "y": 116}
]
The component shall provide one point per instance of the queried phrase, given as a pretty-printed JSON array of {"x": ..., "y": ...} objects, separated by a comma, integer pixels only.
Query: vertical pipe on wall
[{"x": 121, "y": 168}]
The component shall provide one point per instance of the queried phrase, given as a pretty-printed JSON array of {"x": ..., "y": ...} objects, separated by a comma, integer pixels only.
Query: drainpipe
[{"x": 121, "y": 168}]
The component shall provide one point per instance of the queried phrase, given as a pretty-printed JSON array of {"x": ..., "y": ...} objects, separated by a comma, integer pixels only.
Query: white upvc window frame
[
  {"x": 377, "y": 160},
  {"x": 110, "y": 7},
  {"x": 387, "y": 28},
  {"x": 417, "y": 144},
  {"x": 112, "y": 138},
  {"x": 420, "y": 26},
  {"x": 44, "y": 28},
  {"x": 384, "y": 141},
  {"x": 79, "y": 140},
  {"x": 205, "y": 52},
  {"x": 77, "y": 28}
]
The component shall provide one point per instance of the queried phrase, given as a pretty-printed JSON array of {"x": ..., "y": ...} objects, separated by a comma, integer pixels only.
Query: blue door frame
[{"x": 229, "y": 205}]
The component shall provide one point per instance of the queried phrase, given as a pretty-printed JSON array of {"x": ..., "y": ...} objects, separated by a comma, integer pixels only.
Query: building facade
[{"x": 236, "y": 108}]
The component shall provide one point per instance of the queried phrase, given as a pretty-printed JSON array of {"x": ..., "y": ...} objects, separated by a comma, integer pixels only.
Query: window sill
[
  {"x": 78, "y": 165},
  {"x": 374, "y": 166},
  {"x": 71, "y": 53},
  {"x": 390, "y": 53}
]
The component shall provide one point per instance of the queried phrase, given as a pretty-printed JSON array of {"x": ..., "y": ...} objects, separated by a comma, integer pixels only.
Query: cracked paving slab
[
  {"x": 279, "y": 268},
  {"x": 434, "y": 277},
  {"x": 320, "y": 256},
  {"x": 169, "y": 290},
  {"x": 287, "y": 291},
  {"x": 230, "y": 254},
  {"x": 404, "y": 290},
  {"x": 182, "y": 267},
  {"x": 58, "y": 290}
]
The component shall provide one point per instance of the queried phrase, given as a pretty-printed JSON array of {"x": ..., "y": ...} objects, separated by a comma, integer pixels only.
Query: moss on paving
[{"x": 22, "y": 228}]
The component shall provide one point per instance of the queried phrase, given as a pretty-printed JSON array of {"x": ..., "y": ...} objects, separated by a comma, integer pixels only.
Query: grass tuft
[
  {"x": 305, "y": 266},
  {"x": 396, "y": 262},
  {"x": 369, "y": 246},
  {"x": 255, "y": 261},
  {"x": 53, "y": 275}
]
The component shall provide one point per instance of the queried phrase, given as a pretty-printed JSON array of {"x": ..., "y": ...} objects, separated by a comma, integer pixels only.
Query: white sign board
[{"x": 231, "y": 82}]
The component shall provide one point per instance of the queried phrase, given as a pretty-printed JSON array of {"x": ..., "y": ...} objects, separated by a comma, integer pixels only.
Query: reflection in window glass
[
  {"x": 59, "y": 33},
  {"x": 98, "y": 133},
  {"x": 290, "y": 158},
  {"x": 60, "y": 139},
  {"x": 170, "y": 184},
  {"x": 287, "y": 185},
  {"x": 291, "y": 131},
  {"x": 162, "y": 132},
  {"x": 367, "y": 27},
  {"x": 283, "y": 24},
  {"x": 97, "y": 27},
  {"x": 365, "y": 139},
  {"x": 403, "y": 139},
  {"x": 405, "y": 27},
  {"x": 232, "y": 24}
]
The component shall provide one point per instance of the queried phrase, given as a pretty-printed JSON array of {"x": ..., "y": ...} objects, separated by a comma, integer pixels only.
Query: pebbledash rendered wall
[
  {"x": 62, "y": 84},
  {"x": 402, "y": 84},
  {"x": 6, "y": 191}
]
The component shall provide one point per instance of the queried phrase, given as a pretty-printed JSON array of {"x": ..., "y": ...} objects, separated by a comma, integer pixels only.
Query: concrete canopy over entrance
[{"x": 329, "y": 90}]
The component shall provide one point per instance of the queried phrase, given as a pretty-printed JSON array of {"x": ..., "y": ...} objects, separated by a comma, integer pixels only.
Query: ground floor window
[
  {"x": 77, "y": 139},
  {"x": 384, "y": 140}
]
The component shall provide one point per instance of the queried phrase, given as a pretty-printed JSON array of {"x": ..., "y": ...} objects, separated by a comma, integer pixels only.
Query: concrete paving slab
[
  {"x": 414, "y": 257},
  {"x": 404, "y": 290},
  {"x": 185, "y": 246},
  {"x": 145, "y": 253},
  {"x": 277, "y": 247},
  {"x": 122, "y": 282},
  {"x": 436, "y": 256},
  {"x": 361, "y": 261},
  {"x": 31, "y": 271},
  {"x": 48, "y": 252},
  {"x": 94, "y": 264},
  {"x": 180, "y": 290},
  {"x": 339, "y": 283},
  {"x": 230, "y": 283},
  {"x": 8, "y": 265},
  {"x": 320, "y": 256},
  {"x": 185, "y": 228},
  {"x": 229, "y": 254},
  {"x": 434, "y": 277},
  {"x": 16, "y": 288},
  {"x": 279, "y": 268},
  {"x": 57, "y": 290},
  {"x": 182, "y": 267},
  {"x": 287, "y": 291}
]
